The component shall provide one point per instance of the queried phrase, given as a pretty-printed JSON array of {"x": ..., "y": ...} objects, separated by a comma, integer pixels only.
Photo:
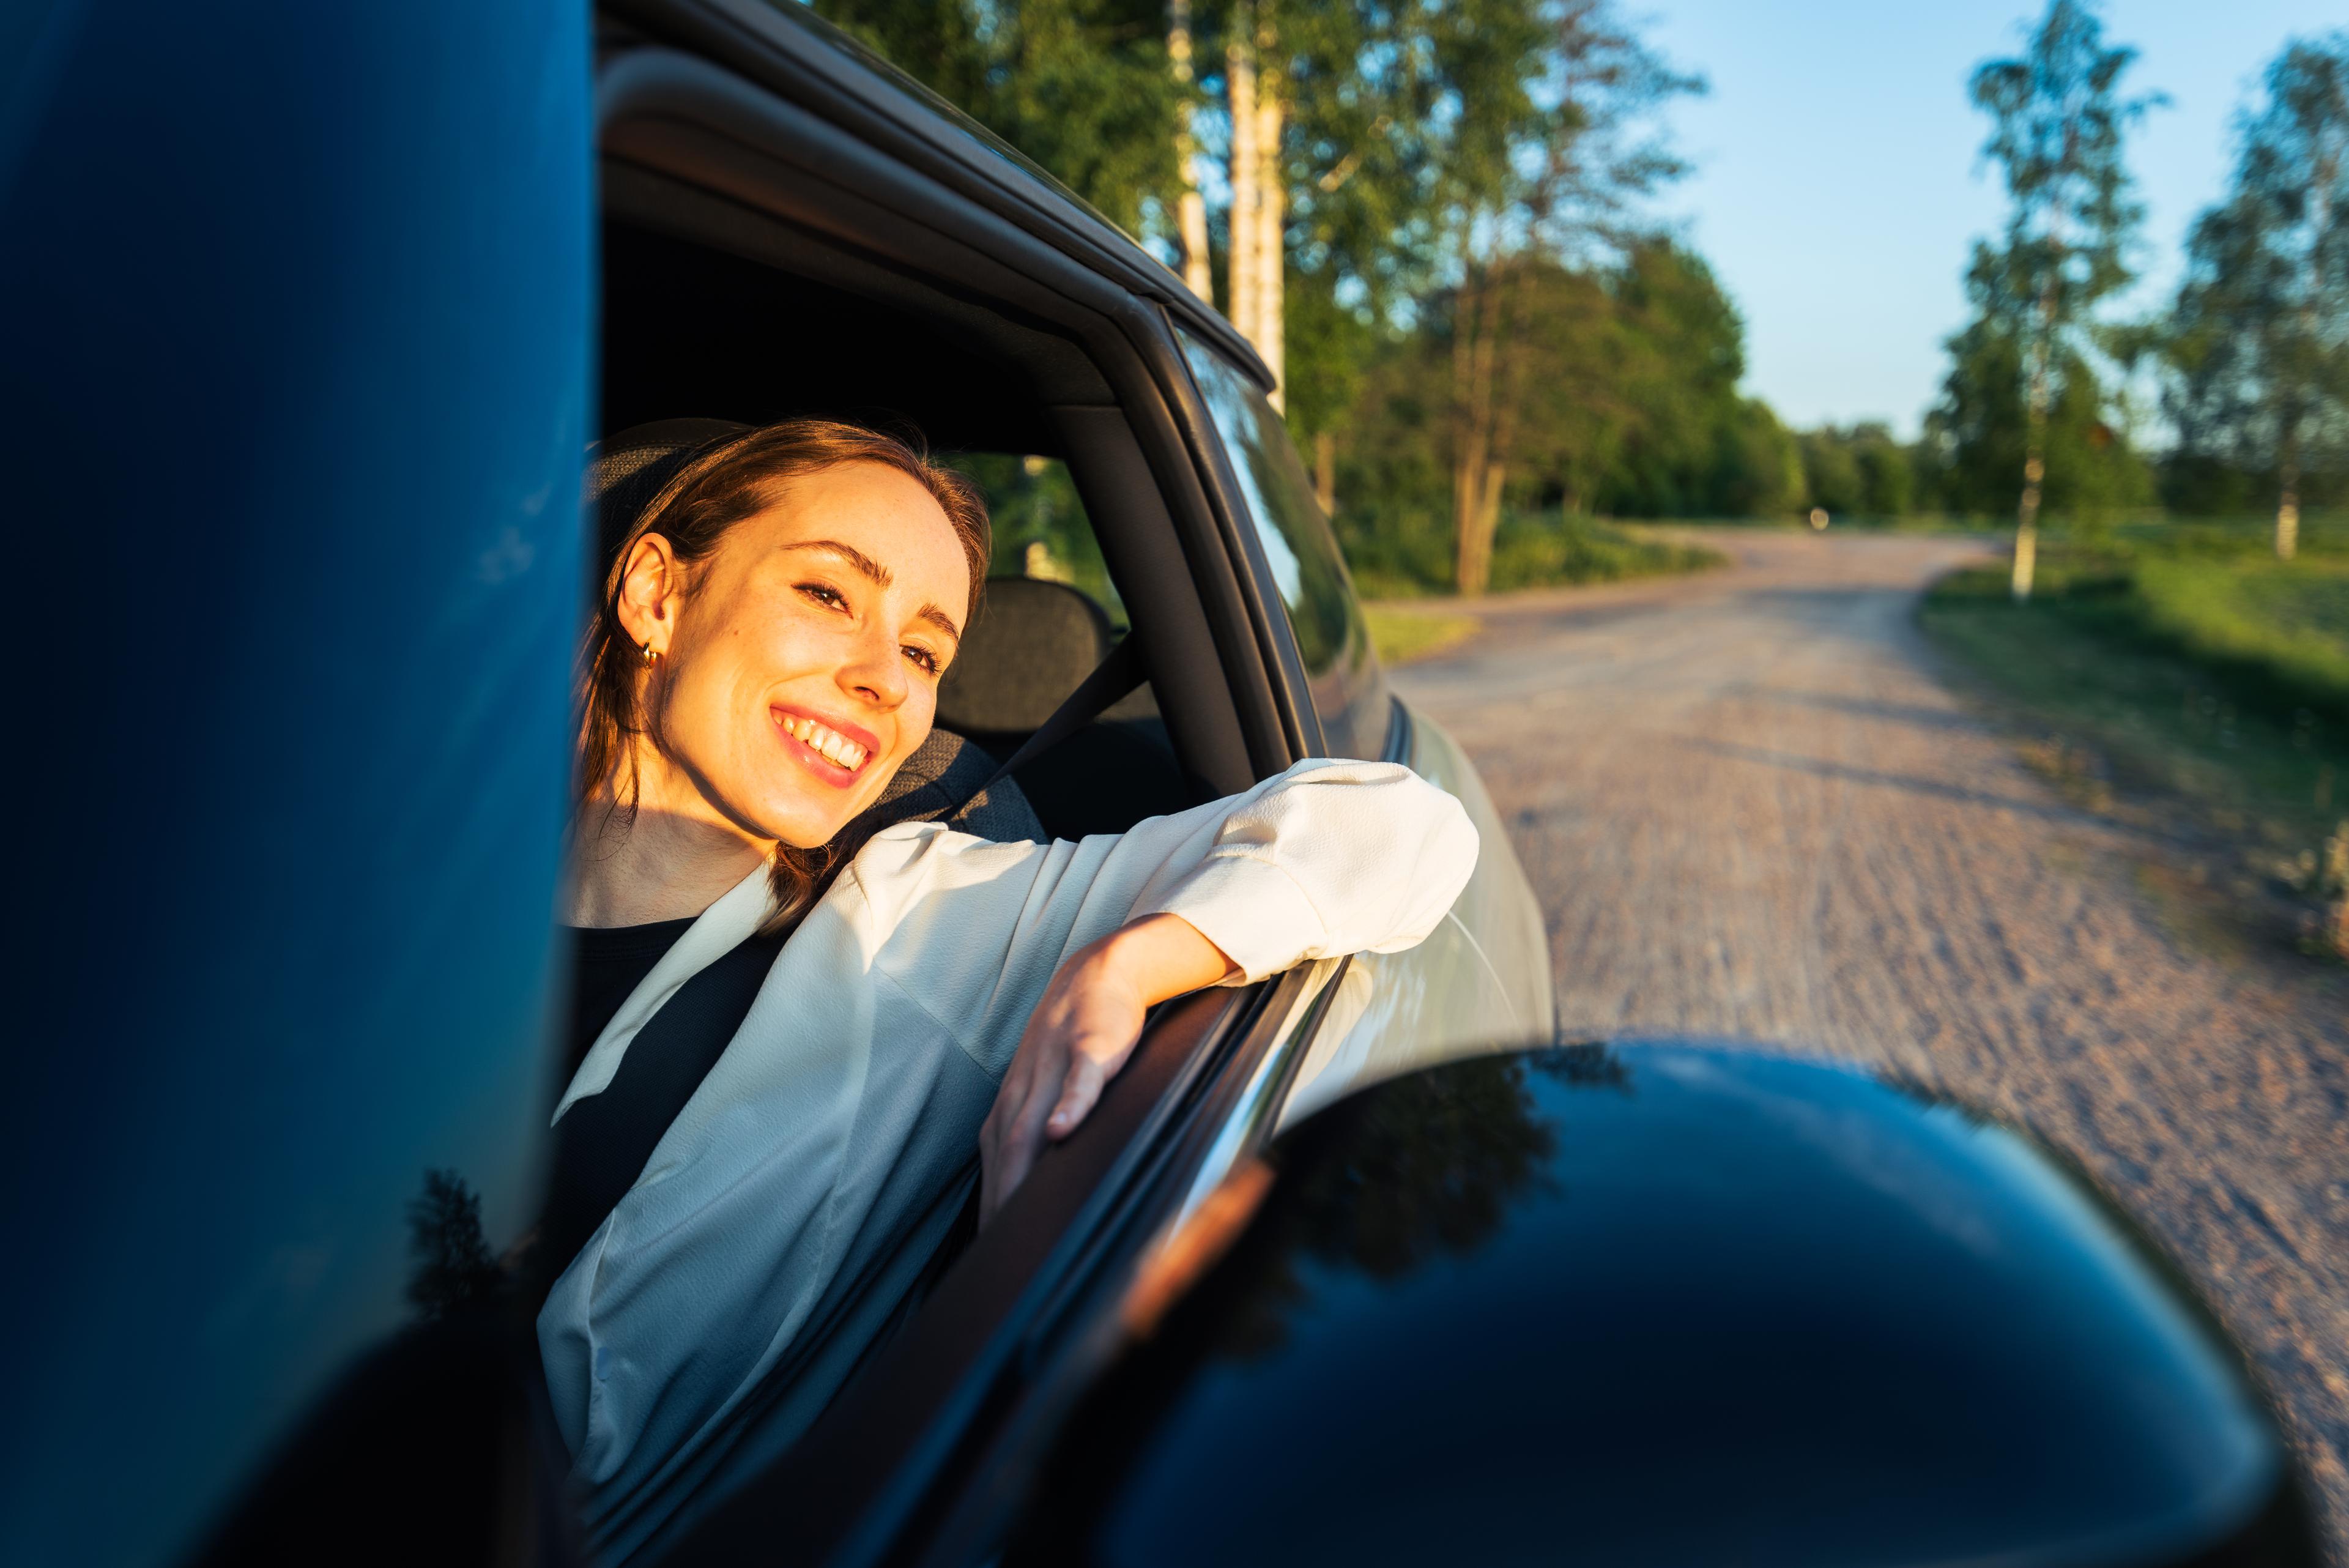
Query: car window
[
  {"x": 1040, "y": 527},
  {"x": 1307, "y": 568}
]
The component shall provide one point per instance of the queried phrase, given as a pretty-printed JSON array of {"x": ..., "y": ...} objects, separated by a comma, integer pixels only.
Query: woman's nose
[{"x": 875, "y": 671}]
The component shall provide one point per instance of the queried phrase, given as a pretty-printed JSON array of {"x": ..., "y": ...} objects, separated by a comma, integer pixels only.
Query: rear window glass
[{"x": 1040, "y": 527}]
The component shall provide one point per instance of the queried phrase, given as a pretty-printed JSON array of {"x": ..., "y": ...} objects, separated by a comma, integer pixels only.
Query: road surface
[{"x": 1752, "y": 808}]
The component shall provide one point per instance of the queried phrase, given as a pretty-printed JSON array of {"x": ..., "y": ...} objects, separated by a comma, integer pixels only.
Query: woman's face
[{"x": 799, "y": 660}]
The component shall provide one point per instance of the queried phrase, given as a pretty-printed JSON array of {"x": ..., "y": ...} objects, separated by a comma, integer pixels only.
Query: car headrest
[
  {"x": 1033, "y": 643},
  {"x": 626, "y": 470}
]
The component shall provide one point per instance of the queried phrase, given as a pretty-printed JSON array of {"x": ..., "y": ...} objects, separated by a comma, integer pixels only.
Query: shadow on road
[
  {"x": 1845, "y": 773},
  {"x": 1899, "y": 713}
]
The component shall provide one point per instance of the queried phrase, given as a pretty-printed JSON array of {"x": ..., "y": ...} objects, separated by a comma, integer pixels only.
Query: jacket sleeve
[{"x": 1328, "y": 858}]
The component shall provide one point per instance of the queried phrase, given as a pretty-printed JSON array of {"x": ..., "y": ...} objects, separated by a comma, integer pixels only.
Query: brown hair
[{"x": 723, "y": 484}]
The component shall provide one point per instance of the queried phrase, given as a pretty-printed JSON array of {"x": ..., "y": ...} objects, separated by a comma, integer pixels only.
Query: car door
[
  {"x": 1484, "y": 976},
  {"x": 297, "y": 371}
]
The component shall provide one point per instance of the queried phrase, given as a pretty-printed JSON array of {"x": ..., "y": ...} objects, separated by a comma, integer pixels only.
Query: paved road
[{"x": 1751, "y": 809}]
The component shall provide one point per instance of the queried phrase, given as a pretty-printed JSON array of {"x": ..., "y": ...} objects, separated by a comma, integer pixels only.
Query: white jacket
[{"x": 791, "y": 1204}]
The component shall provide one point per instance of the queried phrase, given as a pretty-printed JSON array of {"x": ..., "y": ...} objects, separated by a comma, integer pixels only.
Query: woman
[{"x": 827, "y": 1031}]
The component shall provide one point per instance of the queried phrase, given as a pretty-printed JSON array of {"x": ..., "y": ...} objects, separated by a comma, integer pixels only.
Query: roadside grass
[
  {"x": 1403, "y": 635},
  {"x": 2213, "y": 681},
  {"x": 1402, "y": 560}
]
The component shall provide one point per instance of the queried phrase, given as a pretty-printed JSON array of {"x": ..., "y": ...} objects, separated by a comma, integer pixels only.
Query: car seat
[{"x": 1033, "y": 643}]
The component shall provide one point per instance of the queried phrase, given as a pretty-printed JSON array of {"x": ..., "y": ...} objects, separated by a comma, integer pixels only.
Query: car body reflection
[{"x": 1672, "y": 1304}]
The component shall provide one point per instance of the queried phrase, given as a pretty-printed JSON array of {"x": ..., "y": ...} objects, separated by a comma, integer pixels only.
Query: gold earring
[{"x": 649, "y": 655}]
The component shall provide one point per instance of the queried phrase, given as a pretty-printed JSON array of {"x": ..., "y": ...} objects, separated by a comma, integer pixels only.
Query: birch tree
[
  {"x": 2058, "y": 123},
  {"x": 1257, "y": 252},
  {"x": 1554, "y": 174},
  {"x": 2262, "y": 327},
  {"x": 1190, "y": 202}
]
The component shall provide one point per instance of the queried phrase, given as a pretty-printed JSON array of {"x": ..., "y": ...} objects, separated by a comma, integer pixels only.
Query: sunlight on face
[{"x": 805, "y": 668}]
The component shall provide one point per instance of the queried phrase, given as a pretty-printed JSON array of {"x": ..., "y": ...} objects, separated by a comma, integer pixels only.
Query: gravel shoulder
[{"x": 1752, "y": 809}]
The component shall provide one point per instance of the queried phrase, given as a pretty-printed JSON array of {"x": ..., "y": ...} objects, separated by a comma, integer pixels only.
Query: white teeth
[{"x": 833, "y": 746}]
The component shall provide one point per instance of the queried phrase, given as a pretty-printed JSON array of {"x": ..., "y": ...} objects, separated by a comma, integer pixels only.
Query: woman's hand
[{"x": 1080, "y": 1035}]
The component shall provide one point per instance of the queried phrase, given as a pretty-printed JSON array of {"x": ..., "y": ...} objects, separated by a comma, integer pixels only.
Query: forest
[{"x": 1434, "y": 218}]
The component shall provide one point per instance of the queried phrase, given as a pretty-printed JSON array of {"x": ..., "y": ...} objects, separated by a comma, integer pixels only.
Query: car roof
[{"x": 833, "y": 64}]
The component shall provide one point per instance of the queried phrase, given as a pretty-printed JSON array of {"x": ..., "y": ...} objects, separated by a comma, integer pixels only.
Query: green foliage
[
  {"x": 1405, "y": 555},
  {"x": 1858, "y": 472},
  {"x": 1543, "y": 550},
  {"x": 1831, "y": 473},
  {"x": 2058, "y": 125},
  {"x": 2260, "y": 336},
  {"x": 1040, "y": 525},
  {"x": 1977, "y": 433},
  {"x": 2021, "y": 382},
  {"x": 1629, "y": 407},
  {"x": 1080, "y": 86}
]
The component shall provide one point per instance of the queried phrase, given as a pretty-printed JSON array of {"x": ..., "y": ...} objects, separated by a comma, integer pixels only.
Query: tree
[
  {"x": 1190, "y": 202},
  {"x": 1551, "y": 170},
  {"x": 1830, "y": 472},
  {"x": 1860, "y": 470},
  {"x": 2261, "y": 332},
  {"x": 1887, "y": 474},
  {"x": 1979, "y": 430},
  {"x": 1689, "y": 436},
  {"x": 2057, "y": 127},
  {"x": 1083, "y": 87},
  {"x": 451, "y": 1269}
]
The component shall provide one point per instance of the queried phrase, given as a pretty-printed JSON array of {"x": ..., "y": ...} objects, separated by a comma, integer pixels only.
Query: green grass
[
  {"x": 1410, "y": 559},
  {"x": 2211, "y": 683},
  {"x": 1402, "y": 635},
  {"x": 2278, "y": 631}
]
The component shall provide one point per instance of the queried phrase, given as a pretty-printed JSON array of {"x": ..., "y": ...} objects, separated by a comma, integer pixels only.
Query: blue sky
[{"x": 1836, "y": 190}]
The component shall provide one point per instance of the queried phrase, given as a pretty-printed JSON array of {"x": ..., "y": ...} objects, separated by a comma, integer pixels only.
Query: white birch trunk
[
  {"x": 1190, "y": 207},
  {"x": 1272, "y": 212},
  {"x": 1240, "y": 288}
]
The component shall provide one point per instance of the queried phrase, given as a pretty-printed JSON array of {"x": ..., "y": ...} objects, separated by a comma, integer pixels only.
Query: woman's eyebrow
[
  {"x": 939, "y": 618},
  {"x": 865, "y": 565}
]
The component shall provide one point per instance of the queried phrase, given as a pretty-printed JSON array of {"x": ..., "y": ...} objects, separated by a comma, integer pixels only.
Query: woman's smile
[{"x": 833, "y": 750}]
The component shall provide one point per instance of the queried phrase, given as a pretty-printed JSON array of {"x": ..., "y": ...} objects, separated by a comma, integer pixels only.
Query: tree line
[
  {"x": 1430, "y": 218},
  {"x": 2252, "y": 356}
]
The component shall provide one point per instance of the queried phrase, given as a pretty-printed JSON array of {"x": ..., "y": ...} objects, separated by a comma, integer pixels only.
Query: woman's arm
[
  {"x": 1080, "y": 1035},
  {"x": 1328, "y": 858}
]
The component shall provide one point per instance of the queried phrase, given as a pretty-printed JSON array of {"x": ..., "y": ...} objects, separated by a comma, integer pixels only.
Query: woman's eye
[
  {"x": 923, "y": 657},
  {"x": 825, "y": 594}
]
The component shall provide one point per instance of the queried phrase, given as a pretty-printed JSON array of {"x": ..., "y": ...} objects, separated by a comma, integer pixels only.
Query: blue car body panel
[{"x": 296, "y": 366}]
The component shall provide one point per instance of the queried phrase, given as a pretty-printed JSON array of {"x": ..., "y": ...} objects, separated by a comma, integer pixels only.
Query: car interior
[{"x": 693, "y": 330}]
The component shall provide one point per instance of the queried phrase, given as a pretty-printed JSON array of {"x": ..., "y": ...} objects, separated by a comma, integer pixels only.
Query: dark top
[{"x": 602, "y": 1143}]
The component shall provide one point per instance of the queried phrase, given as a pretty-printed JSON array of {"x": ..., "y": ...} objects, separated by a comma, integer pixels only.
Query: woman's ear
[{"x": 652, "y": 587}]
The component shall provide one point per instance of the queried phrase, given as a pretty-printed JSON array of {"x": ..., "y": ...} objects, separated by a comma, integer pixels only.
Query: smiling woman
[
  {"x": 805, "y": 1043},
  {"x": 855, "y": 563}
]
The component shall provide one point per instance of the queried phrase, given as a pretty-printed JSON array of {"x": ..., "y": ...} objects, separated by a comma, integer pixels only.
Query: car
[{"x": 317, "y": 315}]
